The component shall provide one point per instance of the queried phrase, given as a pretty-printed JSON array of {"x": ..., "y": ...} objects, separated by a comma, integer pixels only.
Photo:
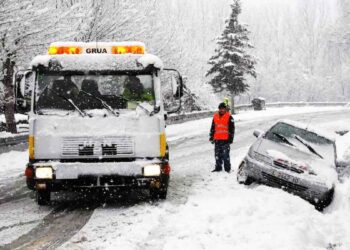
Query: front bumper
[
  {"x": 307, "y": 188},
  {"x": 99, "y": 175}
]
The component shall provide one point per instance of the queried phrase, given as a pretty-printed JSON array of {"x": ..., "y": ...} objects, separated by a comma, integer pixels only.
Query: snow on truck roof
[
  {"x": 307, "y": 127},
  {"x": 98, "y": 56}
]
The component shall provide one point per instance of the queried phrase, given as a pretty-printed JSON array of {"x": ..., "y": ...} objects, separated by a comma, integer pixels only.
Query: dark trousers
[{"x": 222, "y": 155}]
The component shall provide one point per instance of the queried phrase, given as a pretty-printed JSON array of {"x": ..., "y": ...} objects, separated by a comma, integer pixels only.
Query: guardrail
[
  {"x": 180, "y": 118},
  {"x": 13, "y": 140}
]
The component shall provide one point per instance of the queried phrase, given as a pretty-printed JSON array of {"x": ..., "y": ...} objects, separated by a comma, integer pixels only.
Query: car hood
[{"x": 323, "y": 170}]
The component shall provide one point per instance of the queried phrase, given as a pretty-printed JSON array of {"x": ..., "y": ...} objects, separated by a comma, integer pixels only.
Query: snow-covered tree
[{"x": 232, "y": 61}]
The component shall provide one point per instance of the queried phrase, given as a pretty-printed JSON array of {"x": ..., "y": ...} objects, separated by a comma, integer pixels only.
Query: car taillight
[
  {"x": 29, "y": 172},
  {"x": 166, "y": 169}
]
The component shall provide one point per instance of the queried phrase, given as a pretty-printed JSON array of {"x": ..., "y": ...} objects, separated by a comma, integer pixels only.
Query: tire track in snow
[{"x": 56, "y": 228}]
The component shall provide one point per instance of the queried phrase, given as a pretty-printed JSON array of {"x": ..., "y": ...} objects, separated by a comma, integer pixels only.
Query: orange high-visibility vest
[{"x": 221, "y": 126}]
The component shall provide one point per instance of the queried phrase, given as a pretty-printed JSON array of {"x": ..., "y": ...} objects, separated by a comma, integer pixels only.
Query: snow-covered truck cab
[{"x": 97, "y": 119}]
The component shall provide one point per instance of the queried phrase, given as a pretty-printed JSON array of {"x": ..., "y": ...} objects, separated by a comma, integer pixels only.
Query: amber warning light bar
[{"x": 94, "y": 48}]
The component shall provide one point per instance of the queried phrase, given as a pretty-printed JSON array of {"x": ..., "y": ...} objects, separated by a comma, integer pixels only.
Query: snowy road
[{"x": 203, "y": 210}]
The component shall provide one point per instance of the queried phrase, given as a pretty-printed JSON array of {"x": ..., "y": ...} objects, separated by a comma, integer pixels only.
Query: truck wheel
[
  {"x": 242, "y": 176},
  {"x": 30, "y": 183},
  {"x": 43, "y": 197}
]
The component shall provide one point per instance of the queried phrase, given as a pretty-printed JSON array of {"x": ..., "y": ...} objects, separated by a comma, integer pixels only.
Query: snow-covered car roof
[
  {"x": 86, "y": 62},
  {"x": 309, "y": 128}
]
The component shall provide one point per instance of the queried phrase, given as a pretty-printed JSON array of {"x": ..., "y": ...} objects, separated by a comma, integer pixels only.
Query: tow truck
[{"x": 97, "y": 118}]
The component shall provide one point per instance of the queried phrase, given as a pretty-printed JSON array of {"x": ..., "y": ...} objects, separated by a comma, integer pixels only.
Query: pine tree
[{"x": 232, "y": 63}]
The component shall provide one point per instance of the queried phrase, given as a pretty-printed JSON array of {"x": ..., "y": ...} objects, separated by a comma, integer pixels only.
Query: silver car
[{"x": 295, "y": 158}]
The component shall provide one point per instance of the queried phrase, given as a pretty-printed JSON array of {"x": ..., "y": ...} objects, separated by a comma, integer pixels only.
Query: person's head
[
  {"x": 134, "y": 85},
  {"x": 222, "y": 108}
]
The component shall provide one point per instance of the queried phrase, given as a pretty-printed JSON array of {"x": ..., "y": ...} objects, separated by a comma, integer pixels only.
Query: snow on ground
[
  {"x": 12, "y": 164},
  {"x": 219, "y": 214},
  {"x": 203, "y": 210},
  {"x": 18, "y": 218},
  {"x": 342, "y": 141},
  {"x": 212, "y": 211}
]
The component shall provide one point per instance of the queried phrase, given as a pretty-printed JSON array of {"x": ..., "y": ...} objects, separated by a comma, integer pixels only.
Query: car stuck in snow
[{"x": 295, "y": 158}]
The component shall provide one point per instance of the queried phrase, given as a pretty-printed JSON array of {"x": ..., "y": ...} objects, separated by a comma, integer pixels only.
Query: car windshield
[
  {"x": 73, "y": 91},
  {"x": 303, "y": 140}
]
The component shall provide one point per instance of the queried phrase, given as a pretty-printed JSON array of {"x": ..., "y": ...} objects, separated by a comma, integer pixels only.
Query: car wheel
[
  {"x": 43, "y": 197},
  {"x": 242, "y": 176}
]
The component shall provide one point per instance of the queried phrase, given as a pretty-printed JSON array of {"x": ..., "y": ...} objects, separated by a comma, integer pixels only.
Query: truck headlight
[
  {"x": 151, "y": 170},
  {"x": 43, "y": 173}
]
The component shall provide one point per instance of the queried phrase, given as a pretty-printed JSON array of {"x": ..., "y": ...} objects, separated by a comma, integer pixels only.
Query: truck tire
[
  {"x": 30, "y": 183},
  {"x": 43, "y": 197},
  {"x": 160, "y": 193},
  {"x": 242, "y": 176}
]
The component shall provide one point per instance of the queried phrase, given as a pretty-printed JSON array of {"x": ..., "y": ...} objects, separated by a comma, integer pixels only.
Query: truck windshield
[{"x": 56, "y": 92}]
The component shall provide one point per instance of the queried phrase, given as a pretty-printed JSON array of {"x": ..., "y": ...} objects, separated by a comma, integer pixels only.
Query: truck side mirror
[
  {"x": 177, "y": 88},
  {"x": 23, "y": 82}
]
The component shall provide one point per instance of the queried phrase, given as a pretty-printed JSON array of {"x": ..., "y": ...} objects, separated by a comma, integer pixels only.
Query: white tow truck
[{"x": 97, "y": 119}]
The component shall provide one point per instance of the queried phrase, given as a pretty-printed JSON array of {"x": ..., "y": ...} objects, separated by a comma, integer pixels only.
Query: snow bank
[
  {"x": 342, "y": 142},
  {"x": 343, "y": 147}
]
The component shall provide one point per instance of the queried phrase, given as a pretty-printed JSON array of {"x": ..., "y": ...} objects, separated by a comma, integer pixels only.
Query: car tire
[
  {"x": 242, "y": 176},
  {"x": 43, "y": 197}
]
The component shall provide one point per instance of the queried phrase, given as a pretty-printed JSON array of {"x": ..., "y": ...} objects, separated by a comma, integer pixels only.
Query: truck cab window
[{"x": 89, "y": 91}]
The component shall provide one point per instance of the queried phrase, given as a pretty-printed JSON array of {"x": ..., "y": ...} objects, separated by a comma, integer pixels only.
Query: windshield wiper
[
  {"x": 81, "y": 112},
  {"x": 284, "y": 139},
  {"x": 104, "y": 104},
  {"x": 312, "y": 150}
]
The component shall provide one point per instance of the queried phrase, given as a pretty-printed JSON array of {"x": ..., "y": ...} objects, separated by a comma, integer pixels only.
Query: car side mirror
[{"x": 257, "y": 133}]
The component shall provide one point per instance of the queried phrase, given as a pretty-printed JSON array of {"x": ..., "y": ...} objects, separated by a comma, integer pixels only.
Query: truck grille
[
  {"x": 98, "y": 146},
  {"x": 283, "y": 183}
]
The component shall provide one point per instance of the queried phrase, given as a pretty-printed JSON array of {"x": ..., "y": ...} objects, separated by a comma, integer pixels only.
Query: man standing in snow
[{"x": 221, "y": 134}]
